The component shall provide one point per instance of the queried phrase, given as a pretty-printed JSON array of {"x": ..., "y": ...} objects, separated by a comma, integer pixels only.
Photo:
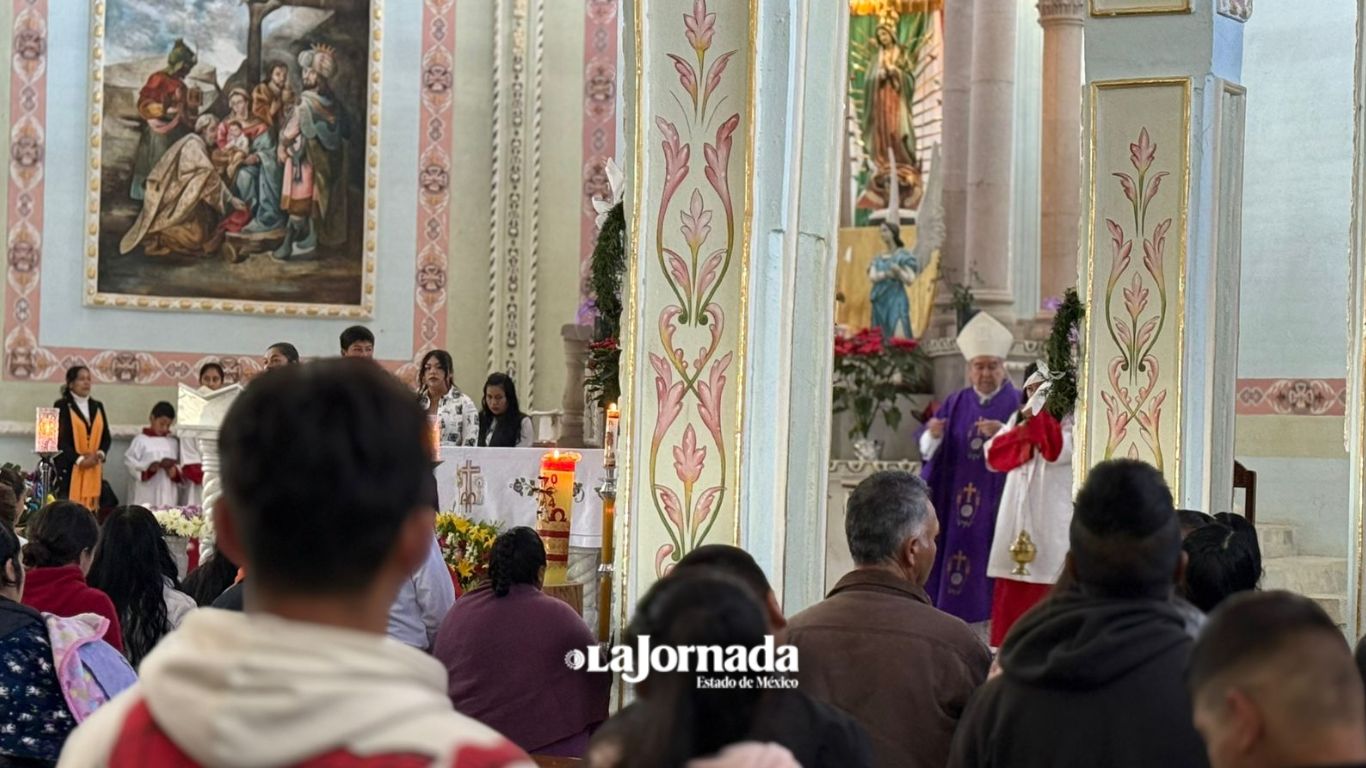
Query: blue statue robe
[{"x": 891, "y": 305}]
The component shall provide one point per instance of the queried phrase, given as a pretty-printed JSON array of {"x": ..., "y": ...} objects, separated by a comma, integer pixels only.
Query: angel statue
[{"x": 899, "y": 268}]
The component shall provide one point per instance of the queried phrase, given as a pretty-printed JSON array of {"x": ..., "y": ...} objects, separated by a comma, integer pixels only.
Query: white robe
[
  {"x": 145, "y": 451},
  {"x": 1038, "y": 499},
  {"x": 190, "y": 453}
]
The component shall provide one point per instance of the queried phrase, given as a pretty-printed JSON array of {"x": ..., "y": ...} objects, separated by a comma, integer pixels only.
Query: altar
[{"x": 496, "y": 485}]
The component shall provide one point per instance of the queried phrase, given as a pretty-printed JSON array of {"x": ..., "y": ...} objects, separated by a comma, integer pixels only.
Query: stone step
[
  {"x": 1276, "y": 540},
  {"x": 1335, "y": 605},
  {"x": 1306, "y": 574}
]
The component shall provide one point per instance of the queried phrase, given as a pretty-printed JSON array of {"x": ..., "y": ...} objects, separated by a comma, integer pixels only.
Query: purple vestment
[{"x": 966, "y": 494}]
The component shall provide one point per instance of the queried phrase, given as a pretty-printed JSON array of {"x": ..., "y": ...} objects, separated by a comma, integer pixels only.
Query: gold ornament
[{"x": 1022, "y": 552}]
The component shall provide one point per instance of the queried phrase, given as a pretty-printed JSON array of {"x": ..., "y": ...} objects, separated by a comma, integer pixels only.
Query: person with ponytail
[
  {"x": 59, "y": 552},
  {"x": 134, "y": 567},
  {"x": 676, "y": 723},
  {"x": 82, "y": 440},
  {"x": 529, "y": 694}
]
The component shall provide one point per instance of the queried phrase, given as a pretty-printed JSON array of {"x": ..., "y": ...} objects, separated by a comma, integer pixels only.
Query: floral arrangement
[
  {"x": 466, "y": 545},
  {"x": 187, "y": 522},
  {"x": 873, "y": 374}
]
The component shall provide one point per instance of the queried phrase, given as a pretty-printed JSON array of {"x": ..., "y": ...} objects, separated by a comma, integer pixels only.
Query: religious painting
[
  {"x": 1134, "y": 338},
  {"x": 895, "y": 63},
  {"x": 234, "y": 155},
  {"x": 1138, "y": 7}
]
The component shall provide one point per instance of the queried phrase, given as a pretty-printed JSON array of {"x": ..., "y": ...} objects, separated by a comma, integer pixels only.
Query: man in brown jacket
[{"x": 875, "y": 647}]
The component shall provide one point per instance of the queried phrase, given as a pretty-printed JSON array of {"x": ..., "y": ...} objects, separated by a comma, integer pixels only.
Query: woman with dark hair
[
  {"x": 134, "y": 567},
  {"x": 82, "y": 439},
  {"x": 530, "y": 695},
  {"x": 443, "y": 400},
  {"x": 211, "y": 579},
  {"x": 60, "y": 549},
  {"x": 280, "y": 354},
  {"x": 501, "y": 421},
  {"x": 37, "y": 696},
  {"x": 677, "y": 722},
  {"x": 1223, "y": 558}
]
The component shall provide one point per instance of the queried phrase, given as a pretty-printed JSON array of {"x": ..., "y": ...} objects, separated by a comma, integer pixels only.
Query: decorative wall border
[
  {"x": 26, "y": 360},
  {"x": 599, "y": 120},
  {"x": 1292, "y": 397}
]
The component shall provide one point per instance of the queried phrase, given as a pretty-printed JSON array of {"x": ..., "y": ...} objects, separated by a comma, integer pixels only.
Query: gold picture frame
[
  {"x": 365, "y": 132},
  {"x": 1138, "y": 7}
]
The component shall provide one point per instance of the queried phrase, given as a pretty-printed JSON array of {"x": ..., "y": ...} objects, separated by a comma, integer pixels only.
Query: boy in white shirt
[{"x": 154, "y": 461}]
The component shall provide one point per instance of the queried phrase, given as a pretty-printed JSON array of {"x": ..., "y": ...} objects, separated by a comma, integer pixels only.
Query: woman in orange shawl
[{"x": 83, "y": 439}]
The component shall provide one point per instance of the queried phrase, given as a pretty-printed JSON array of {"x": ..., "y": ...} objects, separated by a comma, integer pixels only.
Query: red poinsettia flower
[{"x": 905, "y": 344}]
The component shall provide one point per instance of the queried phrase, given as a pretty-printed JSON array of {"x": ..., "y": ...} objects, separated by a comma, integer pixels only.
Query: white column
[
  {"x": 1026, "y": 183},
  {"x": 992, "y": 107},
  {"x": 1063, "y": 24},
  {"x": 1165, "y": 136},
  {"x": 957, "y": 122}
]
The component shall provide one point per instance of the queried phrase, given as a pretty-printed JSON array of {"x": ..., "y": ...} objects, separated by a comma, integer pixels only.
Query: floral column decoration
[{"x": 691, "y": 219}]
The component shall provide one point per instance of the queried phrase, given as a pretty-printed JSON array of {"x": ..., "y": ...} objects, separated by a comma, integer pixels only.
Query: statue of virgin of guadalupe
[
  {"x": 888, "y": 96},
  {"x": 891, "y": 272}
]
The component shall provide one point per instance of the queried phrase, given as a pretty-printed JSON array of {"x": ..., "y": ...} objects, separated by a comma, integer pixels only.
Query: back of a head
[
  {"x": 9, "y": 556},
  {"x": 733, "y": 562},
  {"x": 132, "y": 565},
  {"x": 58, "y": 534},
  {"x": 1220, "y": 562},
  {"x": 322, "y": 465},
  {"x": 884, "y": 510},
  {"x": 9, "y": 506},
  {"x": 1125, "y": 540},
  {"x": 693, "y": 608},
  {"x": 1192, "y": 520},
  {"x": 517, "y": 557},
  {"x": 1285, "y": 651}
]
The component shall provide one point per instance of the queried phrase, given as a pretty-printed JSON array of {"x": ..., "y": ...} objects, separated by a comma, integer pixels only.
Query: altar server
[
  {"x": 966, "y": 493},
  {"x": 1036, "y": 507},
  {"x": 191, "y": 455},
  {"x": 153, "y": 459}
]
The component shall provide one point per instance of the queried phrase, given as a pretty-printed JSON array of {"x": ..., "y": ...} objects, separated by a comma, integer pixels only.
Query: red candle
[{"x": 556, "y": 507}]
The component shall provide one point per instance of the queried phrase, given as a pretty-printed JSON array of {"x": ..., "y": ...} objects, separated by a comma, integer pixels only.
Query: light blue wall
[{"x": 1297, "y": 189}]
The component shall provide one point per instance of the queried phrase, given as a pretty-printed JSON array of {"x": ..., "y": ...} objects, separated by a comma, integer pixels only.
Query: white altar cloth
[{"x": 493, "y": 484}]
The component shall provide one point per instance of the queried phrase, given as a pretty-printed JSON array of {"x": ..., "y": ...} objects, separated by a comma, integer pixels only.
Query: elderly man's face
[
  {"x": 310, "y": 78},
  {"x": 986, "y": 374}
]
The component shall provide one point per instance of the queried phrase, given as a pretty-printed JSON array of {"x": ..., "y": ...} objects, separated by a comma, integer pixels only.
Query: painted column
[
  {"x": 992, "y": 108},
  {"x": 1164, "y": 144},
  {"x": 689, "y": 217},
  {"x": 1063, "y": 23}
]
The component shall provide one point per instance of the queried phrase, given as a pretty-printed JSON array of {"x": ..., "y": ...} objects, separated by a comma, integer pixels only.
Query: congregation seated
[
  {"x": 134, "y": 567},
  {"x": 1222, "y": 559},
  {"x": 214, "y": 575},
  {"x": 306, "y": 675},
  {"x": 817, "y": 735},
  {"x": 1104, "y": 660},
  {"x": 501, "y": 421},
  {"x": 876, "y": 647},
  {"x": 1274, "y": 684},
  {"x": 455, "y": 412},
  {"x": 60, "y": 549},
  {"x": 528, "y": 694},
  {"x": 38, "y": 714},
  {"x": 428, "y": 593},
  {"x": 677, "y": 722}
]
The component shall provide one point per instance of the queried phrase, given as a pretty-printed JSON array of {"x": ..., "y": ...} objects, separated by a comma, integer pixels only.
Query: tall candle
[
  {"x": 609, "y": 509},
  {"x": 609, "y": 436},
  {"x": 45, "y": 427},
  {"x": 556, "y": 510}
]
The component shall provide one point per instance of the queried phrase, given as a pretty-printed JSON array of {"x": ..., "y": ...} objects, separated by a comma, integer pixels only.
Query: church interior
[{"x": 722, "y": 266}]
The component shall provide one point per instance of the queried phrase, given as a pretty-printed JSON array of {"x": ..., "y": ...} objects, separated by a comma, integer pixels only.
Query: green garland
[
  {"x": 606, "y": 269},
  {"x": 1061, "y": 356}
]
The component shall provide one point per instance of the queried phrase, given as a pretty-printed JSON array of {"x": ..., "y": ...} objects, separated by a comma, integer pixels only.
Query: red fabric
[
  {"x": 1009, "y": 602},
  {"x": 150, "y": 472},
  {"x": 141, "y": 742},
  {"x": 63, "y": 591},
  {"x": 1015, "y": 448},
  {"x": 192, "y": 555},
  {"x": 193, "y": 472}
]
